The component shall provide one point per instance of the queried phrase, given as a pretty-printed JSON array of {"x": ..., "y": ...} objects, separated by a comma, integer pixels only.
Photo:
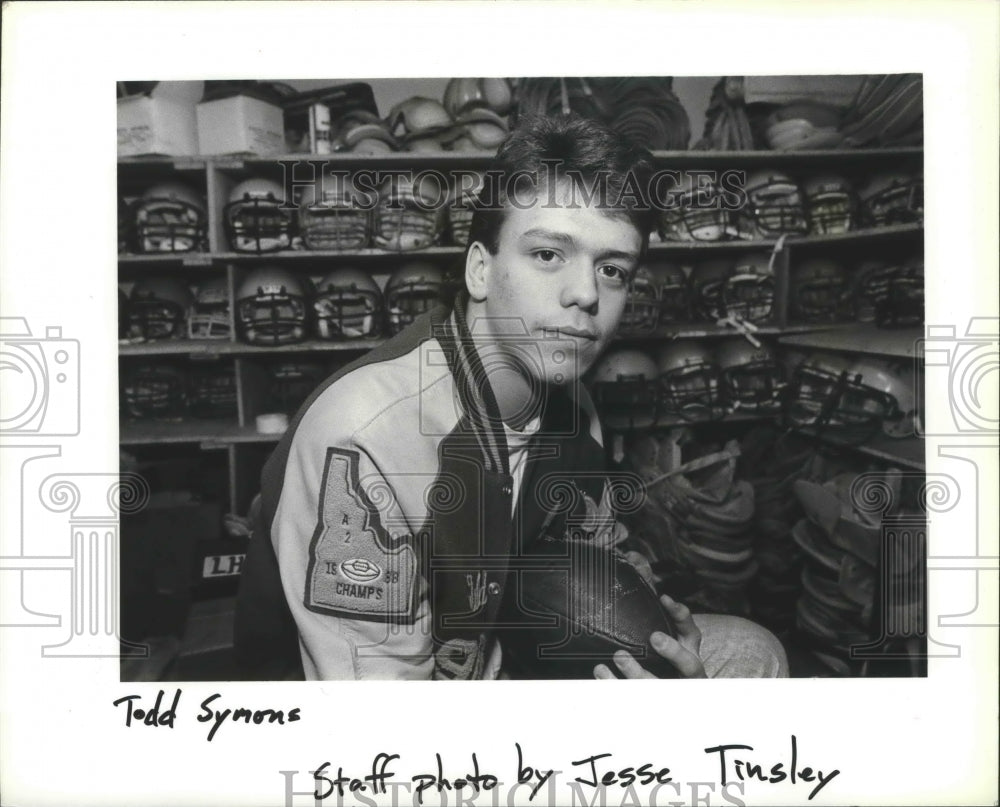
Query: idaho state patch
[{"x": 356, "y": 569}]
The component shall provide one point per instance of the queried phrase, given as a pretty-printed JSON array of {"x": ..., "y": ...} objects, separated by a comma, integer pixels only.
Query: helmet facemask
[
  {"x": 349, "y": 313},
  {"x": 258, "y": 225},
  {"x": 272, "y": 318},
  {"x": 748, "y": 296},
  {"x": 168, "y": 225},
  {"x": 692, "y": 392},
  {"x": 154, "y": 392}
]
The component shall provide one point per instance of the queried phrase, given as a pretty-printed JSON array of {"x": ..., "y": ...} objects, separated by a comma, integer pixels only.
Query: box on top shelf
[
  {"x": 160, "y": 121},
  {"x": 240, "y": 124}
]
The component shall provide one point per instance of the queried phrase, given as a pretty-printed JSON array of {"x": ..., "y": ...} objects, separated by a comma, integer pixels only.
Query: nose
[{"x": 580, "y": 287}]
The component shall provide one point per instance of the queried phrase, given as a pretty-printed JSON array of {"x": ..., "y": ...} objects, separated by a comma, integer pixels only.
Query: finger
[
  {"x": 602, "y": 672},
  {"x": 629, "y": 666},
  {"x": 685, "y": 662},
  {"x": 687, "y": 630}
]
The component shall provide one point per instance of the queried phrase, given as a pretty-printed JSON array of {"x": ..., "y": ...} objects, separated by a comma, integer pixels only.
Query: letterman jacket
[{"x": 384, "y": 542}]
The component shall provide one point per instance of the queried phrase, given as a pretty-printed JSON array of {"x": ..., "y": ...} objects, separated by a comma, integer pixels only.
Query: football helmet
[
  {"x": 890, "y": 390},
  {"x": 419, "y": 123},
  {"x": 461, "y": 206},
  {"x": 258, "y": 218},
  {"x": 752, "y": 379},
  {"x": 892, "y": 198},
  {"x": 291, "y": 383},
  {"x": 707, "y": 280},
  {"x": 272, "y": 307},
  {"x": 830, "y": 204},
  {"x": 154, "y": 391},
  {"x": 123, "y": 321},
  {"x": 363, "y": 132},
  {"x": 465, "y": 93},
  {"x": 689, "y": 381},
  {"x": 624, "y": 389},
  {"x": 335, "y": 215},
  {"x": 695, "y": 211},
  {"x": 773, "y": 207},
  {"x": 125, "y": 221},
  {"x": 900, "y": 302},
  {"x": 209, "y": 314},
  {"x": 748, "y": 292},
  {"x": 170, "y": 217},
  {"x": 818, "y": 290},
  {"x": 157, "y": 308},
  {"x": 642, "y": 307},
  {"x": 870, "y": 283},
  {"x": 410, "y": 215},
  {"x": 212, "y": 392},
  {"x": 348, "y": 305},
  {"x": 849, "y": 402},
  {"x": 412, "y": 290},
  {"x": 478, "y": 129},
  {"x": 674, "y": 291}
]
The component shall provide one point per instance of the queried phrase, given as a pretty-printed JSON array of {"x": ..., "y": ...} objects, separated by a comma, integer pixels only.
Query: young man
[{"x": 396, "y": 507}]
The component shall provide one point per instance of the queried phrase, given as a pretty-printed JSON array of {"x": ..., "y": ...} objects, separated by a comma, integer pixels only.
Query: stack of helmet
[
  {"x": 165, "y": 391},
  {"x": 362, "y": 132},
  {"x": 258, "y": 218},
  {"x": 842, "y": 542},
  {"x": 411, "y": 213},
  {"x": 709, "y": 525},
  {"x": 890, "y": 293},
  {"x": 740, "y": 289},
  {"x": 772, "y": 461},
  {"x": 168, "y": 217},
  {"x": 334, "y": 214},
  {"x": 851, "y": 400},
  {"x": 419, "y": 124}
]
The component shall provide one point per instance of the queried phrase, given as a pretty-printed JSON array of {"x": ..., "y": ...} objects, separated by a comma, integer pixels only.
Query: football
[{"x": 572, "y": 607}]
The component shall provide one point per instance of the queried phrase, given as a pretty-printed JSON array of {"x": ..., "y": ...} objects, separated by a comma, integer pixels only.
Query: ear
[{"x": 477, "y": 267}]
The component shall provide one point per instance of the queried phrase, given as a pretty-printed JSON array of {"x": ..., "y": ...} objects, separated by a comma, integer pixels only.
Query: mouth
[{"x": 576, "y": 333}]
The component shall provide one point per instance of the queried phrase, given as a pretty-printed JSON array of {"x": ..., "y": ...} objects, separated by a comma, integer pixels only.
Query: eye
[
  {"x": 546, "y": 255},
  {"x": 616, "y": 273}
]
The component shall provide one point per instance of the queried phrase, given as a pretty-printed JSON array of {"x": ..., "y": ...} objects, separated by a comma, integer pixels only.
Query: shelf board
[
  {"x": 863, "y": 338},
  {"x": 854, "y": 236},
  {"x": 622, "y": 426},
  {"x": 424, "y": 159},
  {"x": 708, "y": 330},
  {"x": 906, "y": 451},
  {"x": 306, "y": 255},
  {"x": 208, "y": 433},
  {"x": 221, "y": 347},
  {"x": 185, "y": 259},
  {"x": 207, "y": 259}
]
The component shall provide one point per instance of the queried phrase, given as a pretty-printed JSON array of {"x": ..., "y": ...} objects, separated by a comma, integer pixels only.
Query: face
[{"x": 555, "y": 291}]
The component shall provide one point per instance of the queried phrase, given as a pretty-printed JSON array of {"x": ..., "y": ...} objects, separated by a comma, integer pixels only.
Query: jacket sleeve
[{"x": 353, "y": 585}]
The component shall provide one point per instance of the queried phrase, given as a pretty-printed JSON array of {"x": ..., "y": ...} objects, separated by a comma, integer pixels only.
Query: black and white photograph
[{"x": 416, "y": 361}]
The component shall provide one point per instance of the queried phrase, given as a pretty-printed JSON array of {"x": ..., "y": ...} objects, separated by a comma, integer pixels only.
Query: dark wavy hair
[{"x": 566, "y": 147}]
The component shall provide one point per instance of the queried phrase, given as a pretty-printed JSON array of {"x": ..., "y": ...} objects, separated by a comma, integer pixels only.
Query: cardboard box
[
  {"x": 161, "y": 121},
  {"x": 240, "y": 125}
]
